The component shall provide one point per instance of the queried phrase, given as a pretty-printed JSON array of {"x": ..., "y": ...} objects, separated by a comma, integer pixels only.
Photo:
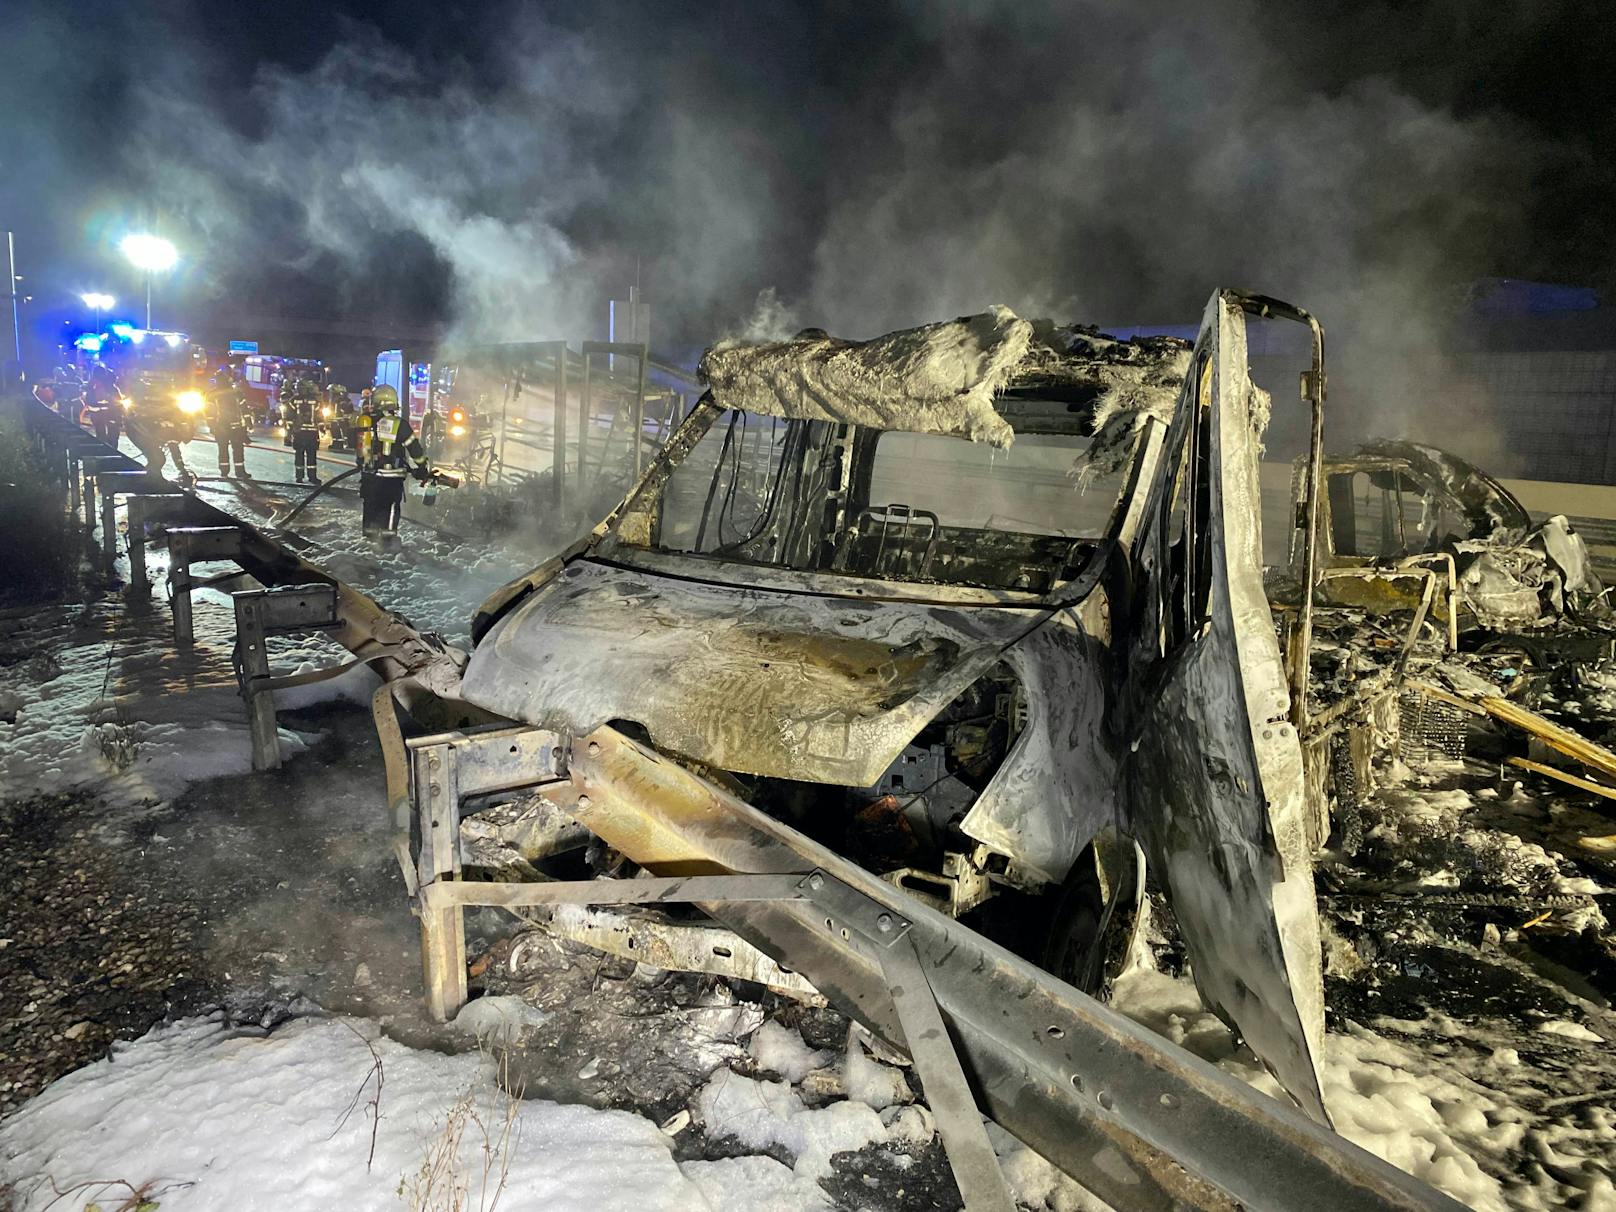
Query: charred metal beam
[
  {"x": 1313, "y": 385},
  {"x": 1140, "y": 1122}
]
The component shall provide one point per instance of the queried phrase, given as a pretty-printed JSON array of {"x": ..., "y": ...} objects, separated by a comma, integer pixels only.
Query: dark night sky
[{"x": 500, "y": 169}]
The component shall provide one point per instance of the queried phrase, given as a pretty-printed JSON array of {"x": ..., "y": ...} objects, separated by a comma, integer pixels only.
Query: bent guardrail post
[
  {"x": 147, "y": 507},
  {"x": 92, "y": 466},
  {"x": 259, "y": 613},
  {"x": 193, "y": 543}
]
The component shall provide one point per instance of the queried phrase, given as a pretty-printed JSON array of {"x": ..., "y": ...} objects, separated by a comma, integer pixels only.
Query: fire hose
[
  {"x": 437, "y": 477},
  {"x": 308, "y": 500}
]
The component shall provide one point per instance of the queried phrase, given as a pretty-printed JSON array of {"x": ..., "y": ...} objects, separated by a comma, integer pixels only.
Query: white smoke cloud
[{"x": 1090, "y": 162}]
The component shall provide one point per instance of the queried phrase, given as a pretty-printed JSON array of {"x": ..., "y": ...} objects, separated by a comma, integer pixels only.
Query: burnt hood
[
  {"x": 808, "y": 686},
  {"x": 755, "y": 681}
]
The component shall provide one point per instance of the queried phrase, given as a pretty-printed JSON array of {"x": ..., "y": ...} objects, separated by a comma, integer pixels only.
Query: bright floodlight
[
  {"x": 150, "y": 253},
  {"x": 98, "y": 302}
]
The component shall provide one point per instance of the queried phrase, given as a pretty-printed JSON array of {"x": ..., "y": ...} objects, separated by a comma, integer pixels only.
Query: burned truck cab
[
  {"x": 979, "y": 605},
  {"x": 894, "y": 635}
]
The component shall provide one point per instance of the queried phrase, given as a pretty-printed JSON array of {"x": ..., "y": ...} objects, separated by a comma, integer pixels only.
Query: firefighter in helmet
[
  {"x": 161, "y": 421},
  {"x": 104, "y": 404},
  {"x": 388, "y": 451},
  {"x": 338, "y": 414},
  {"x": 229, "y": 418},
  {"x": 300, "y": 412}
]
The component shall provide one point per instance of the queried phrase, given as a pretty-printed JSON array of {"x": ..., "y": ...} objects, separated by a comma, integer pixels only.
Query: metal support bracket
[
  {"x": 677, "y": 945},
  {"x": 144, "y": 508},
  {"x": 959, "y": 1123},
  {"x": 188, "y": 545},
  {"x": 111, "y": 485},
  {"x": 442, "y": 770},
  {"x": 90, "y": 466},
  {"x": 445, "y": 769},
  {"x": 259, "y": 612}
]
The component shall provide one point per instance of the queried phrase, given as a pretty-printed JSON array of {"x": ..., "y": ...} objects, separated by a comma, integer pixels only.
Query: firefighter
[
  {"x": 160, "y": 422},
  {"x": 432, "y": 432},
  {"x": 66, "y": 390},
  {"x": 388, "y": 450},
  {"x": 104, "y": 404},
  {"x": 300, "y": 413},
  {"x": 229, "y": 419},
  {"x": 338, "y": 413}
]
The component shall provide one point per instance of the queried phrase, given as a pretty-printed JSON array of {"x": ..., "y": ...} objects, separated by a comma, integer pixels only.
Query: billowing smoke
[{"x": 757, "y": 167}]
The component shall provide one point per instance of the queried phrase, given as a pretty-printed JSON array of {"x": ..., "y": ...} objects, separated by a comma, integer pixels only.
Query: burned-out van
[{"x": 979, "y": 604}]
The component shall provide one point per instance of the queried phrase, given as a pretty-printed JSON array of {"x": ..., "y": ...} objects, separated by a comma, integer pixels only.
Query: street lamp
[
  {"x": 98, "y": 303},
  {"x": 153, "y": 254}
]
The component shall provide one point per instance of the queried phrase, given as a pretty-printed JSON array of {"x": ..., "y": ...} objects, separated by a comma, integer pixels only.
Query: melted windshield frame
[{"x": 845, "y": 457}]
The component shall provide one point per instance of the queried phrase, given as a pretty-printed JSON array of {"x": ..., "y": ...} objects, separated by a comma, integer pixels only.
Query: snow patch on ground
[
  {"x": 498, "y": 1019},
  {"x": 755, "y": 1184},
  {"x": 119, "y": 712},
  {"x": 868, "y": 1081},
  {"x": 218, "y": 1117}
]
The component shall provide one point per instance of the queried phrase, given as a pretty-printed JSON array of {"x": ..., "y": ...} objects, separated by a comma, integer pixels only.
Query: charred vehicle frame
[{"x": 809, "y": 650}]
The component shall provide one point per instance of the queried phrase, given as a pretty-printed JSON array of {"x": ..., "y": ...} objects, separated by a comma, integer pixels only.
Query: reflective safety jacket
[
  {"x": 389, "y": 447},
  {"x": 102, "y": 391},
  {"x": 302, "y": 414},
  {"x": 229, "y": 408}
]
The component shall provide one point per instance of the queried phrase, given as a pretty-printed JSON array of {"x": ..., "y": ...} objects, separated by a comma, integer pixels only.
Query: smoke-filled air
[{"x": 871, "y": 167}]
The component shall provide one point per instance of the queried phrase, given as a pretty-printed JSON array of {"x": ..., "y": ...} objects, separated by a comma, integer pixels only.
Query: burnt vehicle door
[{"x": 1215, "y": 764}]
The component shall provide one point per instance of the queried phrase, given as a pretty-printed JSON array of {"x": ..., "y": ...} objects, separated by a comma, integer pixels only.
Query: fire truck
[{"x": 264, "y": 374}]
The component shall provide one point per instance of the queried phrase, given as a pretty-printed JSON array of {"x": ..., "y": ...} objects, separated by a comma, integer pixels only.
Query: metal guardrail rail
[
  {"x": 1137, "y": 1120},
  {"x": 365, "y": 628}
]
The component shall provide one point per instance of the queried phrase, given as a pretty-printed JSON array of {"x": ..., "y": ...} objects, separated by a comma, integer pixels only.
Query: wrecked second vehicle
[
  {"x": 1396, "y": 507},
  {"x": 979, "y": 604}
]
